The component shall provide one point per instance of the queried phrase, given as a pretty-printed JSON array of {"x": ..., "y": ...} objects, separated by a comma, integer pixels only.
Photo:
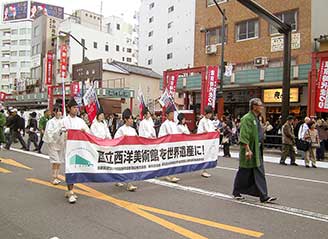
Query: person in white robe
[
  {"x": 205, "y": 126},
  {"x": 72, "y": 121},
  {"x": 146, "y": 128},
  {"x": 55, "y": 141},
  {"x": 182, "y": 126},
  {"x": 99, "y": 127},
  {"x": 126, "y": 130},
  {"x": 169, "y": 127}
]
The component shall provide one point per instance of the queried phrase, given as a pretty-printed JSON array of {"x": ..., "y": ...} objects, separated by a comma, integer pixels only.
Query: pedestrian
[
  {"x": 205, "y": 126},
  {"x": 14, "y": 122},
  {"x": 182, "y": 126},
  {"x": 227, "y": 133},
  {"x": 169, "y": 127},
  {"x": 99, "y": 127},
  {"x": 32, "y": 128},
  {"x": 288, "y": 142},
  {"x": 126, "y": 130},
  {"x": 322, "y": 131},
  {"x": 146, "y": 127},
  {"x": 301, "y": 132},
  {"x": 54, "y": 138},
  {"x": 42, "y": 126},
  {"x": 250, "y": 178},
  {"x": 72, "y": 121},
  {"x": 312, "y": 137},
  {"x": 2, "y": 126}
]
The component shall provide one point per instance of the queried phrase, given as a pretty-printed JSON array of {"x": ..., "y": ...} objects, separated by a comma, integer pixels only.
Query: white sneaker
[
  {"x": 172, "y": 179},
  {"x": 130, "y": 187},
  {"x": 56, "y": 181},
  {"x": 206, "y": 174},
  {"x": 72, "y": 199},
  {"x": 119, "y": 184},
  {"x": 68, "y": 194}
]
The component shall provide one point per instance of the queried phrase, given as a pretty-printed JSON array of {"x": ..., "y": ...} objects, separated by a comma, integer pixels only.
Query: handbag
[
  {"x": 302, "y": 145},
  {"x": 225, "y": 140},
  {"x": 315, "y": 145}
]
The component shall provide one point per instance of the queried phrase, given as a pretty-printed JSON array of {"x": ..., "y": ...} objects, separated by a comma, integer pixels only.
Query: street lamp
[{"x": 220, "y": 94}]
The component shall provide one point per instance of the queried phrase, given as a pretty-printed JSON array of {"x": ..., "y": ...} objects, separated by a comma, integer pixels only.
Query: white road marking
[
  {"x": 272, "y": 207},
  {"x": 280, "y": 176}
]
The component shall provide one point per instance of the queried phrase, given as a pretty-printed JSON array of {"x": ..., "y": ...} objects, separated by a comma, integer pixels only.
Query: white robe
[
  {"x": 183, "y": 129},
  {"x": 146, "y": 128},
  {"x": 75, "y": 123},
  {"x": 125, "y": 131},
  {"x": 100, "y": 129},
  {"x": 168, "y": 127},
  {"x": 55, "y": 140},
  {"x": 205, "y": 125}
]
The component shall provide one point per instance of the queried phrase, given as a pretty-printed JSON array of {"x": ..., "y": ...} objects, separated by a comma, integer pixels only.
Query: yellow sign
[{"x": 275, "y": 95}]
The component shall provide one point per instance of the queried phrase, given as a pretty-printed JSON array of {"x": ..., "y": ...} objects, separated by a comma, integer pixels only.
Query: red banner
[
  {"x": 322, "y": 87},
  {"x": 212, "y": 81},
  {"x": 49, "y": 68},
  {"x": 3, "y": 96},
  {"x": 172, "y": 83},
  {"x": 63, "y": 61},
  {"x": 75, "y": 88}
]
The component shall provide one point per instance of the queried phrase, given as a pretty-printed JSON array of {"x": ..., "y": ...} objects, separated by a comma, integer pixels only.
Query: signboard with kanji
[
  {"x": 322, "y": 87},
  {"x": 63, "y": 61},
  {"x": 91, "y": 70}
]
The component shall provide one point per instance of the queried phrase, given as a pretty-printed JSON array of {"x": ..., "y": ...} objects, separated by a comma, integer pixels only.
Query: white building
[
  {"x": 166, "y": 34},
  {"x": 15, "y": 55}
]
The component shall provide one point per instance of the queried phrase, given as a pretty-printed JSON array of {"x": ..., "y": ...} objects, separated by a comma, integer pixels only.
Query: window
[
  {"x": 118, "y": 26},
  {"x": 25, "y": 63},
  {"x": 151, "y": 19},
  {"x": 117, "y": 48},
  {"x": 25, "y": 75},
  {"x": 14, "y": 43},
  {"x": 150, "y": 47},
  {"x": 95, "y": 45},
  {"x": 287, "y": 17},
  {"x": 86, "y": 14},
  {"x": 37, "y": 49},
  {"x": 129, "y": 59},
  {"x": 128, "y": 50},
  {"x": 123, "y": 58},
  {"x": 13, "y": 53},
  {"x": 13, "y": 64},
  {"x": 152, "y": 5},
  {"x": 213, "y": 36},
  {"x": 14, "y": 31},
  {"x": 150, "y": 62},
  {"x": 36, "y": 31},
  {"x": 83, "y": 42},
  {"x": 123, "y": 49},
  {"x": 171, "y": 9},
  {"x": 22, "y": 53},
  {"x": 247, "y": 30},
  {"x": 169, "y": 25},
  {"x": 211, "y": 2},
  {"x": 106, "y": 48},
  {"x": 150, "y": 34},
  {"x": 22, "y": 31},
  {"x": 169, "y": 40},
  {"x": 169, "y": 56}
]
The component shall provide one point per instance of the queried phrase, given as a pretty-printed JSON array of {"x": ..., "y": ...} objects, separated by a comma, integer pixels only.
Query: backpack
[{"x": 21, "y": 123}]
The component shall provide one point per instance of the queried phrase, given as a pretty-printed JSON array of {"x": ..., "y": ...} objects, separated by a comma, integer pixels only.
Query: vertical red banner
[
  {"x": 75, "y": 88},
  {"x": 63, "y": 61},
  {"x": 3, "y": 96},
  {"x": 49, "y": 65},
  {"x": 172, "y": 83},
  {"x": 321, "y": 99},
  {"x": 212, "y": 81}
]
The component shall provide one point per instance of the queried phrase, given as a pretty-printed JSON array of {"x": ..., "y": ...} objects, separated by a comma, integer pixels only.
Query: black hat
[
  {"x": 290, "y": 117},
  {"x": 169, "y": 109},
  {"x": 71, "y": 103},
  {"x": 145, "y": 111},
  {"x": 33, "y": 114},
  {"x": 208, "y": 109},
  {"x": 126, "y": 114},
  {"x": 181, "y": 116}
]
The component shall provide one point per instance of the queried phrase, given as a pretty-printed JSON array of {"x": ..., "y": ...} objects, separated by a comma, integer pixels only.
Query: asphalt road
[{"x": 31, "y": 208}]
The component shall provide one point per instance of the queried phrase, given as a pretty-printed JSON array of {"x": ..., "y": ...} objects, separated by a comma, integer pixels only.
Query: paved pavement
[{"x": 32, "y": 208}]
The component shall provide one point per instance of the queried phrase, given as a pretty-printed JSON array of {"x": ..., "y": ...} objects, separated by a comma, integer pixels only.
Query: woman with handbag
[{"x": 311, "y": 136}]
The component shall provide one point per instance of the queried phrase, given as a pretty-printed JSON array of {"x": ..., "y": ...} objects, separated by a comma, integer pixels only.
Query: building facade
[
  {"x": 254, "y": 50},
  {"x": 166, "y": 34}
]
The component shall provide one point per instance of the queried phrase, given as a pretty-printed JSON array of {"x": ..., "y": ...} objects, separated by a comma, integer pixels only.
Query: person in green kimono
[
  {"x": 2, "y": 125},
  {"x": 250, "y": 178}
]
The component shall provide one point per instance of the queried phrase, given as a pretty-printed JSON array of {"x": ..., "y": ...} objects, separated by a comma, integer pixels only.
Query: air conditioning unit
[
  {"x": 211, "y": 49},
  {"x": 261, "y": 61}
]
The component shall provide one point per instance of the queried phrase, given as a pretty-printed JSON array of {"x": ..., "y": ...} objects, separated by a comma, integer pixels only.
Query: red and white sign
[
  {"x": 3, "y": 96},
  {"x": 63, "y": 61},
  {"x": 322, "y": 87},
  {"x": 49, "y": 68},
  {"x": 90, "y": 101},
  {"x": 50, "y": 92},
  {"x": 172, "y": 83},
  {"x": 75, "y": 88},
  {"x": 212, "y": 81}
]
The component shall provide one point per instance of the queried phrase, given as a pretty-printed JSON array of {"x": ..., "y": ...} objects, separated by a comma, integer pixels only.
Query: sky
[{"x": 110, "y": 7}]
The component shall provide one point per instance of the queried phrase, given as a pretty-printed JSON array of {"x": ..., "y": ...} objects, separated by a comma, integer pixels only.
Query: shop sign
[
  {"x": 321, "y": 99},
  {"x": 275, "y": 95},
  {"x": 277, "y": 43}
]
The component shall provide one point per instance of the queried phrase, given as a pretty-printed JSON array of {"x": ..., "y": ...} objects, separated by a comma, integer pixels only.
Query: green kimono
[
  {"x": 2, "y": 124},
  {"x": 249, "y": 135}
]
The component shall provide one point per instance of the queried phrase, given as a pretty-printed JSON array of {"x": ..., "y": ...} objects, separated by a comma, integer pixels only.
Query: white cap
[{"x": 14, "y": 110}]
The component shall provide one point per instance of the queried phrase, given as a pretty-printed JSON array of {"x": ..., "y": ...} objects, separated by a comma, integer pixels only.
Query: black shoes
[
  {"x": 307, "y": 166},
  {"x": 269, "y": 200},
  {"x": 294, "y": 164},
  {"x": 313, "y": 166},
  {"x": 238, "y": 197},
  {"x": 282, "y": 163}
]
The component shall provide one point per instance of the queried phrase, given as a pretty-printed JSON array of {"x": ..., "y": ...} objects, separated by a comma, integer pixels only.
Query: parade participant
[
  {"x": 32, "y": 128},
  {"x": 205, "y": 126},
  {"x": 312, "y": 137},
  {"x": 146, "y": 128},
  {"x": 14, "y": 124},
  {"x": 250, "y": 178},
  {"x": 42, "y": 126},
  {"x": 126, "y": 130},
  {"x": 99, "y": 127},
  {"x": 169, "y": 127},
  {"x": 55, "y": 141},
  {"x": 288, "y": 141},
  {"x": 73, "y": 122},
  {"x": 182, "y": 126}
]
